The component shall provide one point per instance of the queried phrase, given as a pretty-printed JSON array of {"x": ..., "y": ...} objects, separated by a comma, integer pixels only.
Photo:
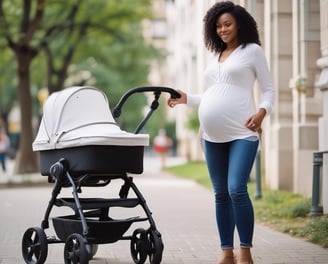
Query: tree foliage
[{"x": 57, "y": 43}]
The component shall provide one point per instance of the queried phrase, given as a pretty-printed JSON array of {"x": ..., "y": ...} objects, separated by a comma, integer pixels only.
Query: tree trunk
[{"x": 26, "y": 159}]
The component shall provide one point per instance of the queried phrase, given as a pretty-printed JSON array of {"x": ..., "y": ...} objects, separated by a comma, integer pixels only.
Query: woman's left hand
[{"x": 255, "y": 121}]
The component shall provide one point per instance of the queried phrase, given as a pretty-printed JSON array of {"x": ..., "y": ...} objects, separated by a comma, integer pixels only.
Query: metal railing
[{"x": 316, "y": 209}]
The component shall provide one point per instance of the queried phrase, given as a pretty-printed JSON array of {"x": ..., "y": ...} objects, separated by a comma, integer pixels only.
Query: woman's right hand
[{"x": 174, "y": 101}]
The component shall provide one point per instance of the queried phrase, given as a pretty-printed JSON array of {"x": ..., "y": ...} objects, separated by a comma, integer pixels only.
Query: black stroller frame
[{"x": 91, "y": 224}]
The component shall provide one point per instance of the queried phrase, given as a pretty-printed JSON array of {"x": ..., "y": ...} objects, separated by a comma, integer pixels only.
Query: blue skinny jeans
[{"x": 229, "y": 165}]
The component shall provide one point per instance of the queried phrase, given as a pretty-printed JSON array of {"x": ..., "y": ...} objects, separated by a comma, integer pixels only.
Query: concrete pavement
[{"x": 183, "y": 212}]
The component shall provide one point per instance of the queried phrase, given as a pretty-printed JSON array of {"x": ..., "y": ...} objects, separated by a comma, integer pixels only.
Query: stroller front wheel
[
  {"x": 139, "y": 246},
  {"x": 34, "y": 246},
  {"x": 156, "y": 247},
  {"x": 75, "y": 250}
]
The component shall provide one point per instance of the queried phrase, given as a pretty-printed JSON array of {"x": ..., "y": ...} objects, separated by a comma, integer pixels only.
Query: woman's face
[{"x": 227, "y": 28}]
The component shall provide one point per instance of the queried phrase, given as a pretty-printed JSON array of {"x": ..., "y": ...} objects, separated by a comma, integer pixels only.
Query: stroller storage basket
[
  {"x": 95, "y": 159},
  {"x": 100, "y": 232}
]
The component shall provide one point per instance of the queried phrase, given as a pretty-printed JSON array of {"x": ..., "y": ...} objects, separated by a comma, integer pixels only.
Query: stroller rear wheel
[
  {"x": 156, "y": 247},
  {"x": 35, "y": 246},
  {"x": 75, "y": 250},
  {"x": 139, "y": 246}
]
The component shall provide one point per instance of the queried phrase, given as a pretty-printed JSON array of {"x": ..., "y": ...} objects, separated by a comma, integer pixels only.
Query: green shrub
[{"x": 300, "y": 209}]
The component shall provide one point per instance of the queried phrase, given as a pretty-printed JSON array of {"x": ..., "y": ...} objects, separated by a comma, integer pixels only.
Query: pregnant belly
[{"x": 221, "y": 114}]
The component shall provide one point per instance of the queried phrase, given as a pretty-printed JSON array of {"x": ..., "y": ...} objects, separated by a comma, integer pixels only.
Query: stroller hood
[{"x": 80, "y": 116}]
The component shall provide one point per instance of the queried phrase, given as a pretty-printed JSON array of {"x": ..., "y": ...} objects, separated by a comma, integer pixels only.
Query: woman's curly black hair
[{"x": 247, "y": 27}]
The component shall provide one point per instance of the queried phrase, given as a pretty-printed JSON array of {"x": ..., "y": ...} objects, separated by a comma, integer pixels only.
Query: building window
[{"x": 158, "y": 29}]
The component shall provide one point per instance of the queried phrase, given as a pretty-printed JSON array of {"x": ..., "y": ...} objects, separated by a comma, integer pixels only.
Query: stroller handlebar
[{"x": 157, "y": 92}]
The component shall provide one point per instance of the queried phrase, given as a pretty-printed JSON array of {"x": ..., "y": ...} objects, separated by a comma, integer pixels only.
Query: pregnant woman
[{"x": 230, "y": 122}]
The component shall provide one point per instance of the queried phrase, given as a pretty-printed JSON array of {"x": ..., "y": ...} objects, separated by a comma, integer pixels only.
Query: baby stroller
[{"x": 80, "y": 146}]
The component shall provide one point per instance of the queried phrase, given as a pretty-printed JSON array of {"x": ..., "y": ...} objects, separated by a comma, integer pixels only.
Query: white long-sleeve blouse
[{"x": 229, "y": 100}]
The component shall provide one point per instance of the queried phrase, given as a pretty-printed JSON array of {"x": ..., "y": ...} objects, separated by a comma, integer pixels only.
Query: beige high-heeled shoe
[
  {"x": 227, "y": 260},
  {"x": 245, "y": 262}
]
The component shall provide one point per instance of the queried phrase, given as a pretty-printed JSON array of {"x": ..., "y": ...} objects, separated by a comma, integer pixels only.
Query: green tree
[
  {"x": 61, "y": 34},
  {"x": 8, "y": 95}
]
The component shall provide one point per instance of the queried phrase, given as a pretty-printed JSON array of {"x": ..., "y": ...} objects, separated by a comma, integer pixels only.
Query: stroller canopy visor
[{"x": 80, "y": 116}]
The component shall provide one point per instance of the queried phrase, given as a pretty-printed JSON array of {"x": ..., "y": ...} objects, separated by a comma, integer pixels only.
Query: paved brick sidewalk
[{"x": 183, "y": 212}]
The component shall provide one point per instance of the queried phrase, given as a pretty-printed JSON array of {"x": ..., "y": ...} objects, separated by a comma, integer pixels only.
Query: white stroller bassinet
[{"x": 77, "y": 125}]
